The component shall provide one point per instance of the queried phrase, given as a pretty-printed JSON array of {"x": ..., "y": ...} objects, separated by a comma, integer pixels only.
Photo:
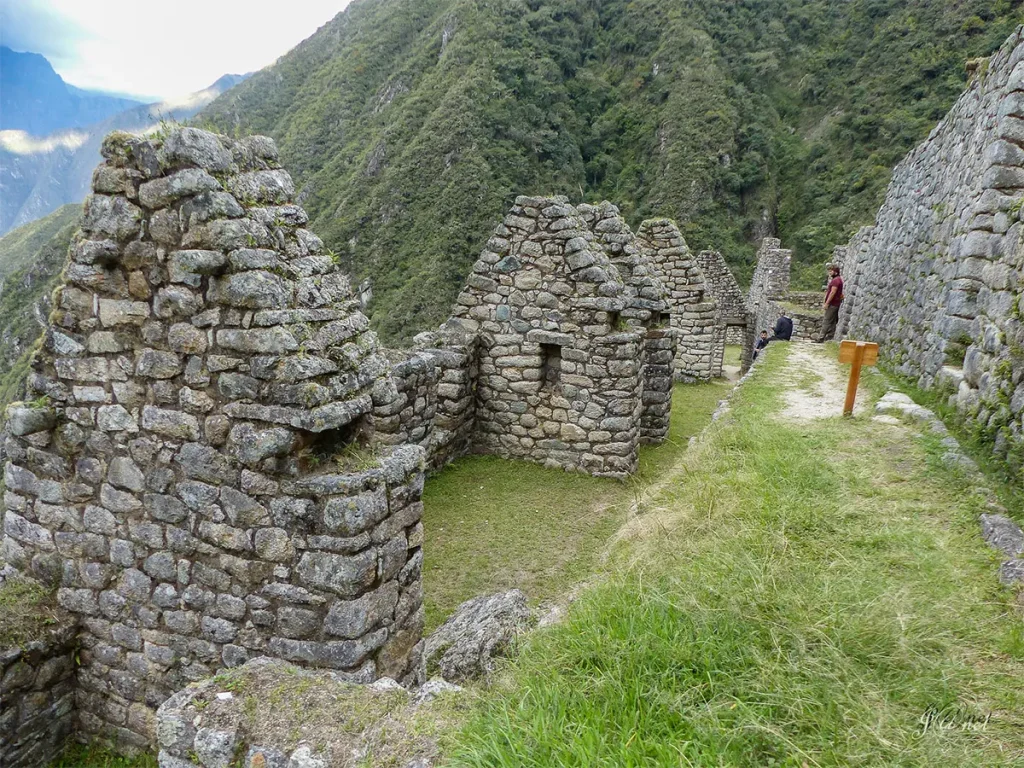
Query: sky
[{"x": 154, "y": 50}]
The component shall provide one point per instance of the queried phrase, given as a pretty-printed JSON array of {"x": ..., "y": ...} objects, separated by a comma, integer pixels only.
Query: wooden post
[
  {"x": 858, "y": 354},
  {"x": 851, "y": 387}
]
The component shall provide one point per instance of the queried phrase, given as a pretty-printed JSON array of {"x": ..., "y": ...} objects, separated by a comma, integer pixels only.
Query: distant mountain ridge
[
  {"x": 35, "y": 99},
  {"x": 38, "y": 174}
]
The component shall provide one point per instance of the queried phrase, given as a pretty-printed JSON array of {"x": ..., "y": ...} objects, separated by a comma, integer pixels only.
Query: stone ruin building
[
  {"x": 694, "y": 314},
  {"x": 735, "y": 324},
  {"x": 219, "y": 462},
  {"x": 936, "y": 281},
  {"x": 204, "y": 364},
  {"x": 770, "y": 293}
]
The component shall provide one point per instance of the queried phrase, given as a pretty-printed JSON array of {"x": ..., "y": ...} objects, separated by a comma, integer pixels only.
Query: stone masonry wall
[
  {"x": 692, "y": 307},
  {"x": 37, "y": 697},
  {"x": 178, "y": 475},
  {"x": 558, "y": 382},
  {"x": 769, "y": 284},
  {"x": 734, "y": 324},
  {"x": 435, "y": 403},
  {"x": 646, "y": 308},
  {"x": 937, "y": 279}
]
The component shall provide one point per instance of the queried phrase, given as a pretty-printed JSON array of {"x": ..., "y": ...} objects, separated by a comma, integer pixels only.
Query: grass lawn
[
  {"x": 815, "y": 593},
  {"x": 733, "y": 354},
  {"x": 493, "y": 524}
]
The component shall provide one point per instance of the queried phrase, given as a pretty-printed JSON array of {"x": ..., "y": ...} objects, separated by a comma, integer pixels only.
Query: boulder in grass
[{"x": 481, "y": 629}]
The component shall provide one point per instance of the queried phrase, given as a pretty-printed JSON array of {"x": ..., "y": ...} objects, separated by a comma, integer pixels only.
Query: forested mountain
[{"x": 410, "y": 124}]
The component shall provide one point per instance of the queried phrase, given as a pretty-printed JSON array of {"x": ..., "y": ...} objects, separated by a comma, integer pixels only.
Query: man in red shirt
[{"x": 833, "y": 298}]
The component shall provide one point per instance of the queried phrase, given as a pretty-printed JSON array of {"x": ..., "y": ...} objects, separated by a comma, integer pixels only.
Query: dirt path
[{"x": 816, "y": 385}]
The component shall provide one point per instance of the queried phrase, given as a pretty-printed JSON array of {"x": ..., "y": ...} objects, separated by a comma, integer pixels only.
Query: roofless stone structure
[
  {"x": 204, "y": 363},
  {"x": 692, "y": 307},
  {"x": 219, "y": 462}
]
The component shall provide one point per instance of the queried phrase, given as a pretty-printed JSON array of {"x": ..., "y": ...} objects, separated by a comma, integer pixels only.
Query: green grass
[
  {"x": 91, "y": 756},
  {"x": 493, "y": 524},
  {"x": 733, "y": 354},
  {"x": 813, "y": 595},
  {"x": 26, "y": 611}
]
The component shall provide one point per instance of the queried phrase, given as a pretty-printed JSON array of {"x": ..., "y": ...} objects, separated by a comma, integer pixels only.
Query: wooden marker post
[{"x": 858, "y": 354}]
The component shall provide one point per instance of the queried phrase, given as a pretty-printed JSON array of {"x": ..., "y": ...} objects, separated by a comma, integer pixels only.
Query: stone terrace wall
[
  {"x": 204, "y": 362},
  {"x": 37, "y": 697},
  {"x": 937, "y": 279},
  {"x": 692, "y": 307},
  {"x": 646, "y": 308},
  {"x": 558, "y": 383},
  {"x": 735, "y": 324}
]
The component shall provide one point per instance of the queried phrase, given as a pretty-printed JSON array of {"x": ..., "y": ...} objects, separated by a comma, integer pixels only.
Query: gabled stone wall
[
  {"x": 937, "y": 279},
  {"x": 769, "y": 284},
  {"x": 177, "y": 476},
  {"x": 735, "y": 323},
  {"x": 694, "y": 314},
  {"x": 559, "y": 383},
  {"x": 647, "y": 308}
]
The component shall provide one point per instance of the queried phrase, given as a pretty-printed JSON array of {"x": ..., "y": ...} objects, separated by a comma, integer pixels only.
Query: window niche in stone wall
[
  {"x": 347, "y": 448},
  {"x": 550, "y": 366}
]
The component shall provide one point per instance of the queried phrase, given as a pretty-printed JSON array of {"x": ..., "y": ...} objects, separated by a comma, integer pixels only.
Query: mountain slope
[
  {"x": 19, "y": 247},
  {"x": 410, "y": 124},
  {"x": 35, "y": 99},
  {"x": 39, "y": 174},
  {"x": 31, "y": 259}
]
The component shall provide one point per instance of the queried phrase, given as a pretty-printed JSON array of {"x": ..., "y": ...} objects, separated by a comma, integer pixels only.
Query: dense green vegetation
[
  {"x": 411, "y": 124},
  {"x": 810, "y": 593},
  {"x": 31, "y": 259}
]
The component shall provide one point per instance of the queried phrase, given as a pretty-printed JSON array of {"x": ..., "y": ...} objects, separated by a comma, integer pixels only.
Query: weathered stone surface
[
  {"x": 1003, "y": 534},
  {"x": 463, "y": 648}
]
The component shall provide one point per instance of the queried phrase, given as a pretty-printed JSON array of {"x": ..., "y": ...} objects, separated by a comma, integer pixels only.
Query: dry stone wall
[
  {"x": 937, "y": 279},
  {"x": 693, "y": 311},
  {"x": 770, "y": 283},
  {"x": 37, "y": 696},
  {"x": 176, "y": 477},
  {"x": 647, "y": 308},
  {"x": 559, "y": 381},
  {"x": 735, "y": 323}
]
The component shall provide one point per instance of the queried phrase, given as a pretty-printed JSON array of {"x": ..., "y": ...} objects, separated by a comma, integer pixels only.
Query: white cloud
[
  {"x": 157, "y": 49},
  {"x": 21, "y": 143}
]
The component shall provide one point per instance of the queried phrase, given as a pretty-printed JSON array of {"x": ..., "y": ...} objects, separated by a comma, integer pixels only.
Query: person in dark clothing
[
  {"x": 783, "y": 327},
  {"x": 833, "y": 299},
  {"x": 761, "y": 343}
]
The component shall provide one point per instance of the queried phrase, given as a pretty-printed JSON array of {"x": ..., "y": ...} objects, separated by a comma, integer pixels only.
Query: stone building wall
[
  {"x": 435, "y": 403},
  {"x": 694, "y": 315},
  {"x": 37, "y": 696},
  {"x": 937, "y": 279},
  {"x": 559, "y": 382},
  {"x": 734, "y": 324},
  {"x": 769, "y": 284},
  {"x": 179, "y": 475},
  {"x": 646, "y": 309}
]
